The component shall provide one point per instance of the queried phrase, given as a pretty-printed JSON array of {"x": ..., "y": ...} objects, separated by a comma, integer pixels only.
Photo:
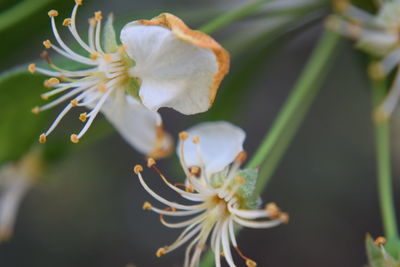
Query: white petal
[
  {"x": 140, "y": 127},
  {"x": 176, "y": 71},
  {"x": 220, "y": 142}
]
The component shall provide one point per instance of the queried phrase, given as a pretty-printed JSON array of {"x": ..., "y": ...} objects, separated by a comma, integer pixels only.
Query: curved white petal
[
  {"x": 220, "y": 142},
  {"x": 139, "y": 126},
  {"x": 176, "y": 69}
]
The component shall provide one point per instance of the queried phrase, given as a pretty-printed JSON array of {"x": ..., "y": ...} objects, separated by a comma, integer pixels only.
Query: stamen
[
  {"x": 284, "y": 217},
  {"x": 42, "y": 138},
  {"x": 53, "y": 81},
  {"x": 47, "y": 44},
  {"x": 194, "y": 170},
  {"x": 147, "y": 206},
  {"x": 83, "y": 117},
  {"x": 53, "y": 13},
  {"x": 98, "y": 16},
  {"x": 273, "y": 210},
  {"x": 196, "y": 139},
  {"x": 74, "y": 138},
  {"x": 183, "y": 135},
  {"x": 78, "y": 2},
  {"x": 36, "y": 110},
  {"x": 241, "y": 157},
  {"x": 380, "y": 241},
  {"x": 137, "y": 169},
  {"x": 249, "y": 262},
  {"x": 74, "y": 102},
  {"x": 161, "y": 252},
  {"x": 32, "y": 68},
  {"x": 67, "y": 22},
  {"x": 151, "y": 162}
]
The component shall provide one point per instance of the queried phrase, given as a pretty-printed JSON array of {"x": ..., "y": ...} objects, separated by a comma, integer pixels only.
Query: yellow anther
[
  {"x": 42, "y": 138},
  {"x": 83, "y": 117},
  {"x": 53, "y": 13},
  {"x": 74, "y": 138},
  {"x": 340, "y": 5},
  {"x": 250, "y": 263},
  {"x": 273, "y": 210},
  {"x": 241, "y": 157},
  {"x": 380, "y": 241},
  {"x": 196, "y": 139},
  {"x": 78, "y": 2},
  {"x": 74, "y": 102},
  {"x": 32, "y": 68},
  {"x": 94, "y": 56},
  {"x": 44, "y": 97},
  {"x": 67, "y": 22},
  {"x": 151, "y": 162},
  {"x": 284, "y": 217},
  {"x": 189, "y": 189},
  {"x": 36, "y": 110},
  {"x": 46, "y": 84},
  {"x": 53, "y": 81},
  {"x": 98, "y": 16},
  {"x": 138, "y": 168},
  {"x": 183, "y": 135},
  {"x": 107, "y": 57},
  {"x": 47, "y": 44},
  {"x": 147, "y": 206},
  {"x": 239, "y": 179},
  {"x": 161, "y": 251},
  {"x": 195, "y": 171}
]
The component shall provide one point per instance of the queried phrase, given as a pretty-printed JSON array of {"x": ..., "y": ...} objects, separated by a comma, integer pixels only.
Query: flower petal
[
  {"x": 179, "y": 67},
  {"x": 219, "y": 143},
  {"x": 140, "y": 127}
]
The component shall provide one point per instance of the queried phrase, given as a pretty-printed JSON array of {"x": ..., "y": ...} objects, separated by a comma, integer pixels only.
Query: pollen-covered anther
[
  {"x": 161, "y": 252},
  {"x": 241, "y": 157},
  {"x": 67, "y": 22},
  {"x": 196, "y": 139},
  {"x": 78, "y": 2},
  {"x": 147, "y": 206},
  {"x": 250, "y": 263},
  {"x": 151, "y": 162},
  {"x": 380, "y": 241},
  {"x": 53, "y": 13},
  {"x": 42, "y": 138},
  {"x": 189, "y": 189},
  {"x": 194, "y": 170},
  {"x": 340, "y": 6},
  {"x": 53, "y": 81},
  {"x": 137, "y": 169},
  {"x": 47, "y": 44},
  {"x": 32, "y": 68},
  {"x": 98, "y": 16},
  {"x": 83, "y": 117},
  {"x": 92, "y": 22},
  {"x": 284, "y": 217},
  {"x": 44, "y": 97},
  {"x": 74, "y": 138},
  {"x": 74, "y": 102},
  {"x": 36, "y": 110},
  {"x": 273, "y": 210},
  {"x": 183, "y": 136}
]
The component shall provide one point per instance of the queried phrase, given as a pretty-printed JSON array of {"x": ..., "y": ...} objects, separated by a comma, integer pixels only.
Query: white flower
[
  {"x": 377, "y": 35},
  {"x": 161, "y": 63},
  {"x": 16, "y": 179},
  {"x": 222, "y": 193}
]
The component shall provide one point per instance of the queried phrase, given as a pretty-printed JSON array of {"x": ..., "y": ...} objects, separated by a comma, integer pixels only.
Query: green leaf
[
  {"x": 110, "y": 37},
  {"x": 19, "y": 127}
]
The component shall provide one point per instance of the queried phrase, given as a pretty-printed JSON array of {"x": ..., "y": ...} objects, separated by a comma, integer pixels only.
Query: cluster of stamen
[
  {"x": 88, "y": 87},
  {"x": 378, "y": 35},
  {"x": 215, "y": 213}
]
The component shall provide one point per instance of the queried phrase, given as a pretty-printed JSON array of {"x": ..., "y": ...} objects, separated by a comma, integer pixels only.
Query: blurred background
[{"x": 87, "y": 211}]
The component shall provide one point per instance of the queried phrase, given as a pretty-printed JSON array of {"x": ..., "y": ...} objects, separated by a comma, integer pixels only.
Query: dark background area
[{"x": 87, "y": 212}]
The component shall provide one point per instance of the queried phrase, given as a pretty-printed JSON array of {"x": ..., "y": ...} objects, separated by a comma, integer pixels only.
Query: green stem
[
  {"x": 232, "y": 16},
  {"x": 294, "y": 109},
  {"x": 382, "y": 142},
  {"x": 293, "y": 112}
]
